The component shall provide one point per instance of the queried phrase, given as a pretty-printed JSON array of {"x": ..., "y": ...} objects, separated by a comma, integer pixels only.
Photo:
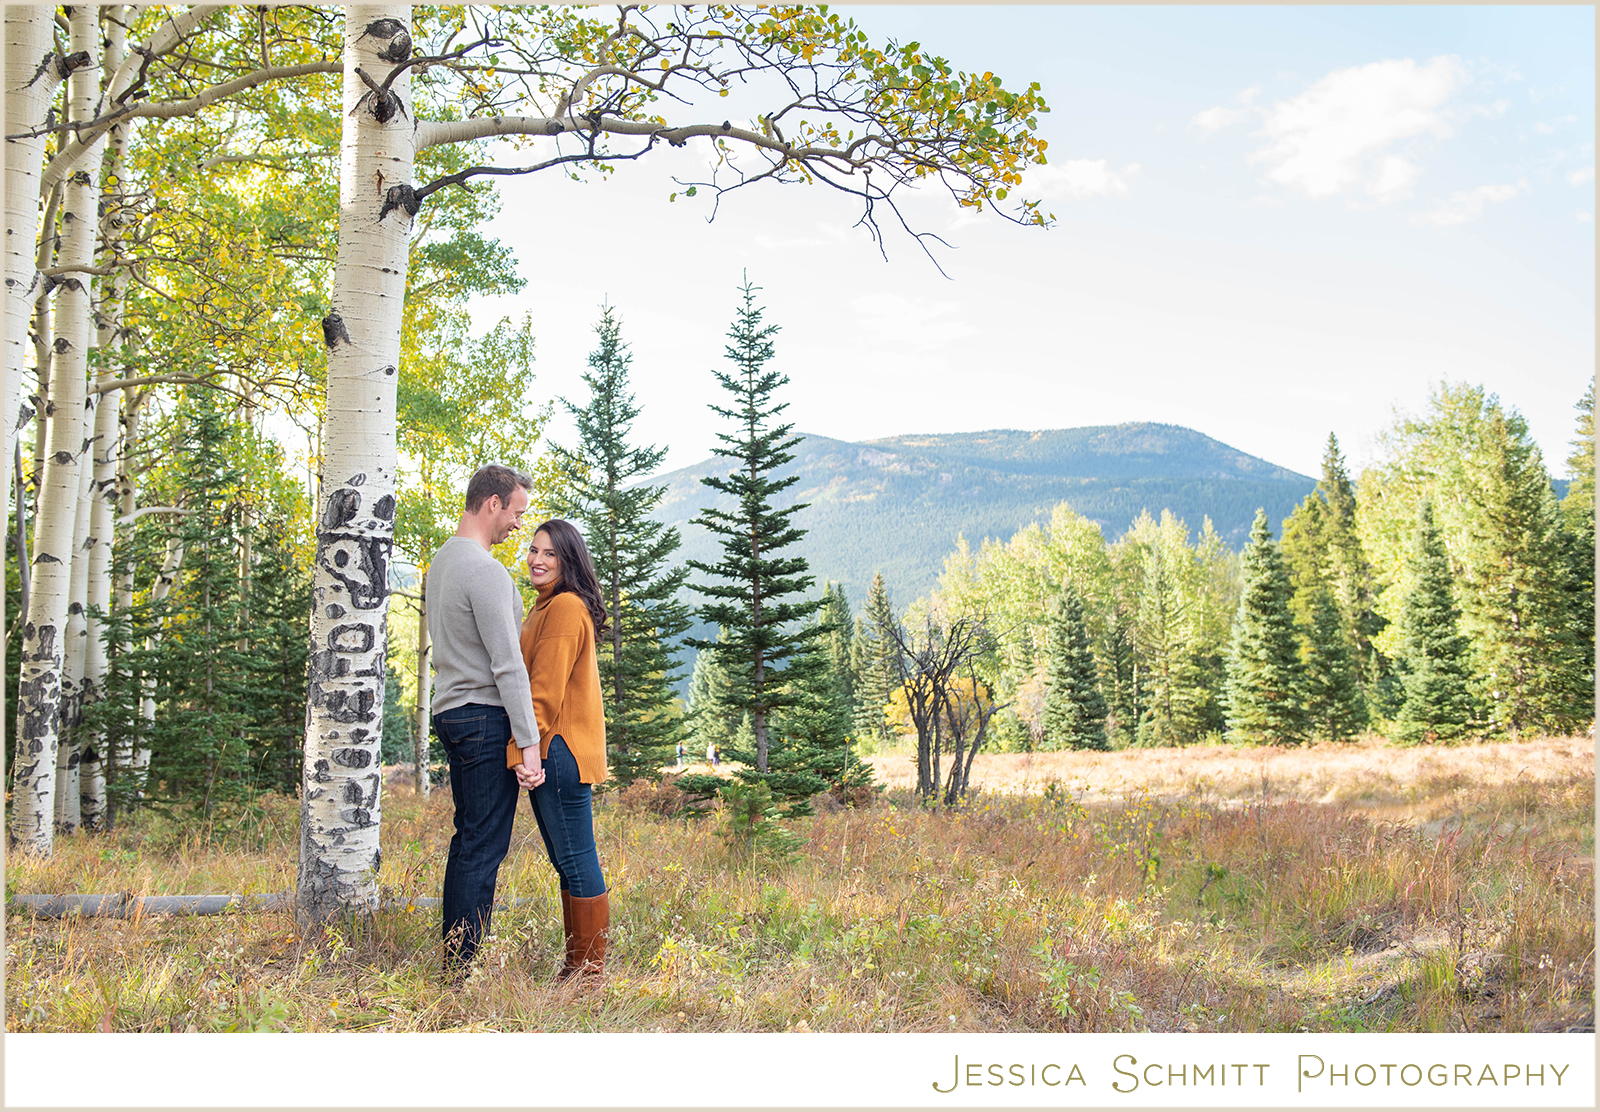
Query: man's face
[{"x": 506, "y": 517}]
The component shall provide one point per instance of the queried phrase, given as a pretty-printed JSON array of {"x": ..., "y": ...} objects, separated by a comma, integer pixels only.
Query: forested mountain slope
[{"x": 897, "y": 505}]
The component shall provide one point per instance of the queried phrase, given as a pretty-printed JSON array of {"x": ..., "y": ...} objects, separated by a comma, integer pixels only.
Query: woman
[{"x": 558, "y": 638}]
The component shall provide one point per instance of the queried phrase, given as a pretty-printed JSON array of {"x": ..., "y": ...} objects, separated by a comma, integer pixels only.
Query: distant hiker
[
  {"x": 563, "y": 673},
  {"x": 480, "y": 700},
  {"x": 712, "y": 753},
  {"x": 682, "y": 753}
]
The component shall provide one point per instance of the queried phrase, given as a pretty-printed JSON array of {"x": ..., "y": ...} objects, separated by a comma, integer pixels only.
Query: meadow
[{"x": 1354, "y": 887}]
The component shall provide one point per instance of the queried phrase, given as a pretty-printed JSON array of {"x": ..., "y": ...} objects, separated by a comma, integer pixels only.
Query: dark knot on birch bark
[
  {"x": 400, "y": 197},
  {"x": 334, "y": 332},
  {"x": 398, "y": 50},
  {"x": 384, "y": 28}
]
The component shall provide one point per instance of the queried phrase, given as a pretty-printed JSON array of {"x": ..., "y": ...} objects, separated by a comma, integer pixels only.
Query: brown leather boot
[{"x": 586, "y": 945}]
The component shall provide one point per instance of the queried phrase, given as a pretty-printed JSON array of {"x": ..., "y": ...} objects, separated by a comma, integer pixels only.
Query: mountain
[{"x": 897, "y": 505}]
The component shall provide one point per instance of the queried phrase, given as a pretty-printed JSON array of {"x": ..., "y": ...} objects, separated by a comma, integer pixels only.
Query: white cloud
[
  {"x": 1215, "y": 119},
  {"x": 1339, "y": 134},
  {"x": 1080, "y": 178},
  {"x": 1585, "y": 217},
  {"x": 1581, "y": 177},
  {"x": 1467, "y": 205}
]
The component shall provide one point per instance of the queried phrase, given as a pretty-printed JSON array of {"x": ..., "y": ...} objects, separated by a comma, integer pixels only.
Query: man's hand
[{"x": 530, "y": 773}]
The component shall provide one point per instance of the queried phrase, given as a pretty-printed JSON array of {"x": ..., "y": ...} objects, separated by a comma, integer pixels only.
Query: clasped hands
[{"x": 530, "y": 773}]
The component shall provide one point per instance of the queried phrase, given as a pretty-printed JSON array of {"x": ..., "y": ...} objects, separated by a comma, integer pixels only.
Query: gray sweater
[{"x": 475, "y": 622}]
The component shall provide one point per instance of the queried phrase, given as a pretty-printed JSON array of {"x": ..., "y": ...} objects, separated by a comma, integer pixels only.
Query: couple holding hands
[{"x": 517, "y": 705}]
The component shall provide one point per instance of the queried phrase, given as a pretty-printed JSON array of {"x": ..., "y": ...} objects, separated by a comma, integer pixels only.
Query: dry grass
[{"x": 1333, "y": 888}]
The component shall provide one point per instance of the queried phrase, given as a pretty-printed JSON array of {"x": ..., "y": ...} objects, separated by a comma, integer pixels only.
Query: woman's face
[{"x": 544, "y": 566}]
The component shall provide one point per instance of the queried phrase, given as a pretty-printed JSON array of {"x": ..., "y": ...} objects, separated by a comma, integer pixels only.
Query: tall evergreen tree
[
  {"x": 1334, "y": 705},
  {"x": 756, "y": 594},
  {"x": 816, "y": 729},
  {"x": 1434, "y": 657},
  {"x": 280, "y": 602},
  {"x": 1577, "y": 511},
  {"x": 837, "y": 644},
  {"x": 1322, "y": 548},
  {"x": 1074, "y": 708},
  {"x": 872, "y": 663},
  {"x": 711, "y": 718},
  {"x": 198, "y": 740},
  {"x": 1263, "y": 683},
  {"x": 1517, "y": 587},
  {"x": 601, "y": 493},
  {"x": 1123, "y": 687}
]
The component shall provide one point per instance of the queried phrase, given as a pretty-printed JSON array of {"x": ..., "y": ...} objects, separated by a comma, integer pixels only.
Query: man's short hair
[{"x": 495, "y": 480}]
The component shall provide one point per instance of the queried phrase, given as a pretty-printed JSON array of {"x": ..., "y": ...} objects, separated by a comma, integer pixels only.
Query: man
[{"x": 481, "y": 700}]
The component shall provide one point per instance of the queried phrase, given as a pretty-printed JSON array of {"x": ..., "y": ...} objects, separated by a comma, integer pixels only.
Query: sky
[{"x": 1272, "y": 223}]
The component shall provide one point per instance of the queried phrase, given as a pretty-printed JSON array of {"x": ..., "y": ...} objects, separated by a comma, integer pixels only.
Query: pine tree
[
  {"x": 601, "y": 493},
  {"x": 1263, "y": 682},
  {"x": 756, "y": 594},
  {"x": 838, "y": 643},
  {"x": 1124, "y": 694},
  {"x": 1577, "y": 512},
  {"x": 1434, "y": 664},
  {"x": 817, "y": 728},
  {"x": 711, "y": 717},
  {"x": 1334, "y": 704},
  {"x": 1516, "y": 587},
  {"x": 1322, "y": 549},
  {"x": 199, "y": 747},
  {"x": 280, "y": 605},
  {"x": 1074, "y": 709},
  {"x": 872, "y": 669}
]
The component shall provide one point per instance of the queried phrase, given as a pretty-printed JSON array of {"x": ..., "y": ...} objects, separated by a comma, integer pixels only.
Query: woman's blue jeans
[
  {"x": 485, "y": 793},
  {"x": 561, "y": 806}
]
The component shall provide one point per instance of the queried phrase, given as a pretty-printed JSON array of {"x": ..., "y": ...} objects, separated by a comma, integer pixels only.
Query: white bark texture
[
  {"x": 139, "y": 760},
  {"x": 75, "y": 646},
  {"x": 341, "y": 781},
  {"x": 44, "y": 631},
  {"x": 105, "y": 452},
  {"x": 28, "y": 91},
  {"x": 419, "y": 754}
]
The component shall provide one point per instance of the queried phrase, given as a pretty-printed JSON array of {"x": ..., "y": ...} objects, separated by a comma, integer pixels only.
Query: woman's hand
[{"x": 530, "y": 773}]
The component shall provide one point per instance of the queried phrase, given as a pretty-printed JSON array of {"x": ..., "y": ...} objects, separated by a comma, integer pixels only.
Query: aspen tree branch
[
  {"x": 124, "y": 82},
  {"x": 91, "y": 130},
  {"x": 144, "y": 511},
  {"x": 99, "y": 271}
]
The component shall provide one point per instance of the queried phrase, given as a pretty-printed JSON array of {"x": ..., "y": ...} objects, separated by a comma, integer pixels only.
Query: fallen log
[{"x": 124, "y": 906}]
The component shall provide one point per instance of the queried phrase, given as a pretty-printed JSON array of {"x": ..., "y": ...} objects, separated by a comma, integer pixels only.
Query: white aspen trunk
[
  {"x": 118, "y": 758},
  {"x": 341, "y": 779},
  {"x": 30, "y": 83},
  {"x": 139, "y": 762},
  {"x": 33, "y": 73},
  {"x": 44, "y": 357},
  {"x": 40, "y": 687},
  {"x": 74, "y": 647},
  {"x": 419, "y": 752},
  {"x": 103, "y": 511}
]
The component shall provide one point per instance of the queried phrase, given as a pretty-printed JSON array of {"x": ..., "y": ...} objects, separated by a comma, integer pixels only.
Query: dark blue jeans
[
  {"x": 566, "y": 823},
  {"x": 485, "y": 793}
]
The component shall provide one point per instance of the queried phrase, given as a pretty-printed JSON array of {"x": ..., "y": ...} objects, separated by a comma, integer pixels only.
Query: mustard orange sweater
[{"x": 564, "y": 679}]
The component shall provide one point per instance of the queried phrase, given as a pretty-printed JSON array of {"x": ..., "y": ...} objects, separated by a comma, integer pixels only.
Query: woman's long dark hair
[{"x": 577, "y": 570}]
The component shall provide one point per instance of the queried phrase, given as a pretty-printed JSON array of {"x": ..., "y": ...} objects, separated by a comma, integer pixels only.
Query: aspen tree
[
  {"x": 41, "y": 687},
  {"x": 105, "y": 447}
]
